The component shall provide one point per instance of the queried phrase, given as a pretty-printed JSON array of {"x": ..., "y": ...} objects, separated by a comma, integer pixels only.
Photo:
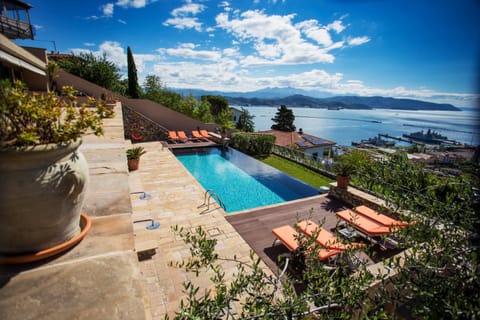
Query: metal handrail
[{"x": 212, "y": 194}]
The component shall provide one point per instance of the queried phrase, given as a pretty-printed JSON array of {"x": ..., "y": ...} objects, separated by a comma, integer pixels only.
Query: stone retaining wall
[
  {"x": 139, "y": 128},
  {"x": 355, "y": 197}
]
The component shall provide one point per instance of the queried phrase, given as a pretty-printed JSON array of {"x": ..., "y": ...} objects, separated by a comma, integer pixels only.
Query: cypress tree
[{"x": 133, "y": 87}]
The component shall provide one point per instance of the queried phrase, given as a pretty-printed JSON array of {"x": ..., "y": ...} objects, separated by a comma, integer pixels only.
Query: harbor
[
  {"x": 345, "y": 126},
  {"x": 421, "y": 138},
  {"x": 375, "y": 142}
]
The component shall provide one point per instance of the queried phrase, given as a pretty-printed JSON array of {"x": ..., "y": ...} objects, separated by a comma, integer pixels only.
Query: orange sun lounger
[
  {"x": 362, "y": 223},
  {"x": 182, "y": 135},
  {"x": 172, "y": 135},
  {"x": 204, "y": 133},
  {"x": 325, "y": 238},
  {"x": 288, "y": 236},
  {"x": 378, "y": 217},
  {"x": 196, "y": 134}
]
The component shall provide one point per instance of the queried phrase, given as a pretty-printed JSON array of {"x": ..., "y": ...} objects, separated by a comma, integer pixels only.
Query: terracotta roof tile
[{"x": 286, "y": 139}]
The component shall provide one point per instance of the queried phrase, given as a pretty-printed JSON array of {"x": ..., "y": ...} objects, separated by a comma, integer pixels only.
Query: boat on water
[
  {"x": 430, "y": 136},
  {"x": 375, "y": 141}
]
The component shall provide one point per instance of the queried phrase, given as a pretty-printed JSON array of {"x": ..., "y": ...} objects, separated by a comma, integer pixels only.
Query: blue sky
[{"x": 429, "y": 50}]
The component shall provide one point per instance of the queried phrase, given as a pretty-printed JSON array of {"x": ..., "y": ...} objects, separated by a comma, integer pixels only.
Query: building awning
[
  {"x": 17, "y": 56},
  {"x": 20, "y": 63}
]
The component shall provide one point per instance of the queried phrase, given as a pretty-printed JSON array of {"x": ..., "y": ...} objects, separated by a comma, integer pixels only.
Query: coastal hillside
[
  {"x": 299, "y": 98},
  {"x": 343, "y": 102}
]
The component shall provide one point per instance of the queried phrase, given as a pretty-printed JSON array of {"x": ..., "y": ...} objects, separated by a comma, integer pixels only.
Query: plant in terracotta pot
[
  {"x": 344, "y": 171},
  {"x": 133, "y": 157},
  {"x": 43, "y": 174}
]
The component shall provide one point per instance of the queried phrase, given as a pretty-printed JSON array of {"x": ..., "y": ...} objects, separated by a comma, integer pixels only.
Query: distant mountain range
[{"x": 298, "y": 98}]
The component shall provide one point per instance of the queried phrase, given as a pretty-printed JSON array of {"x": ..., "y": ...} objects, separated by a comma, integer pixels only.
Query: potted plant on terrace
[
  {"x": 133, "y": 157},
  {"x": 43, "y": 174},
  {"x": 344, "y": 171}
]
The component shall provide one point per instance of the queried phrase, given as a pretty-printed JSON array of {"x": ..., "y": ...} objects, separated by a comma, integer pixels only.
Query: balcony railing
[{"x": 15, "y": 29}]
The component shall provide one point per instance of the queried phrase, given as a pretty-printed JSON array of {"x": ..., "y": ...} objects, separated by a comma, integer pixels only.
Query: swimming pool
[{"x": 242, "y": 182}]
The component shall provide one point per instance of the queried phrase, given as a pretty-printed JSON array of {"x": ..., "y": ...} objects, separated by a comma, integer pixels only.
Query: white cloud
[
  {"x": 357, "y": 41},
  {"x": 77, "y": 51},
  {"x": 142, "y": 62},
  {"x": 276, "y": 40},
  {"x": 89, "y": 44},
  {"x": 225, "y": 5},
  {"x": 94, "y": 17},
  {"x": 314, "y": 31},
  {"x": 337, "y": 26},
  {"x": 188, "y": 9},
  {"x": 184, "y": 23},
  {"x": 133, "y": 3},
  {"x": 183, "y": 17},
  {"x": 255, "y": 25},
  {"x": 188, "y": 75},
  {"x": 122, "y": 21},
  {"x": 187, "y": 51},
  {"x": 113, "y": 52},
  {"x": 107, "y": 10},
  {"x": 231, "y": 52}
]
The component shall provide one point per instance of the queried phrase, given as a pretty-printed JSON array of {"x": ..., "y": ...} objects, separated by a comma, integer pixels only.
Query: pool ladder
[{"x": 209, "y": 194}]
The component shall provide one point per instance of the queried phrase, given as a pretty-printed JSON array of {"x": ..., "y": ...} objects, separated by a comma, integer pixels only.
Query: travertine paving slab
[{"x": 75, "y": 290}]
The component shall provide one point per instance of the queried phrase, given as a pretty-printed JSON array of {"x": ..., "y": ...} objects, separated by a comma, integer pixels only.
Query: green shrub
[
  {"x": 253, "y": 144},
  {"x": 29, "y": 119}
]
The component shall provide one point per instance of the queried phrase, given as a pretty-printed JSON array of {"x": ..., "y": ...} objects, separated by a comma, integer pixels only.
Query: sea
[{"x": 344, "y": 126}]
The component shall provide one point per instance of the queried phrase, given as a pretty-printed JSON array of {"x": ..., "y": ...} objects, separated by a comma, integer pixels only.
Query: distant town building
[
  {"x": 312, "y": 146},
  {"x": 236, "y": 114}
]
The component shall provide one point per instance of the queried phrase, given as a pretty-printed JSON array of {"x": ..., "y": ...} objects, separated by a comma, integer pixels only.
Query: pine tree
[
  {"x": 283, "y": 119},
  {"x": 133, "y": 87}
]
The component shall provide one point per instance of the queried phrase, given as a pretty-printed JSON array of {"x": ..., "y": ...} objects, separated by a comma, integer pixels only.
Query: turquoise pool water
[{"x": 242, "y": 182}]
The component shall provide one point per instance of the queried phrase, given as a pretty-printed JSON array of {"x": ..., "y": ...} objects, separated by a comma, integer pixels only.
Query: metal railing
[
  {"x": 307, "y": 160},
  {"x": 209, "y": 194}
]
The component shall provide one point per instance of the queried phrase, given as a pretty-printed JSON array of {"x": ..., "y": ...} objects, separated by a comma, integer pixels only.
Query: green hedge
[{"x": 257, "y": 145}]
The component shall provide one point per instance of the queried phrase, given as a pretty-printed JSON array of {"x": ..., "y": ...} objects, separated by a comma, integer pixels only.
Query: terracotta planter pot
[
  {"x": 42, "y": 190},
  {"x": 133, "y": 164},
  {"x": 343, "y": 181}
]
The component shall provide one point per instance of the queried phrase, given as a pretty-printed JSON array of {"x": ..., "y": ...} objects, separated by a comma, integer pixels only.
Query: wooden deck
[{"x": 255, "y": 226}]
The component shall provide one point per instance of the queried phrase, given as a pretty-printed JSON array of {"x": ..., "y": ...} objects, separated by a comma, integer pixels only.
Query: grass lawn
[{"x": 298, "y": 171}]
